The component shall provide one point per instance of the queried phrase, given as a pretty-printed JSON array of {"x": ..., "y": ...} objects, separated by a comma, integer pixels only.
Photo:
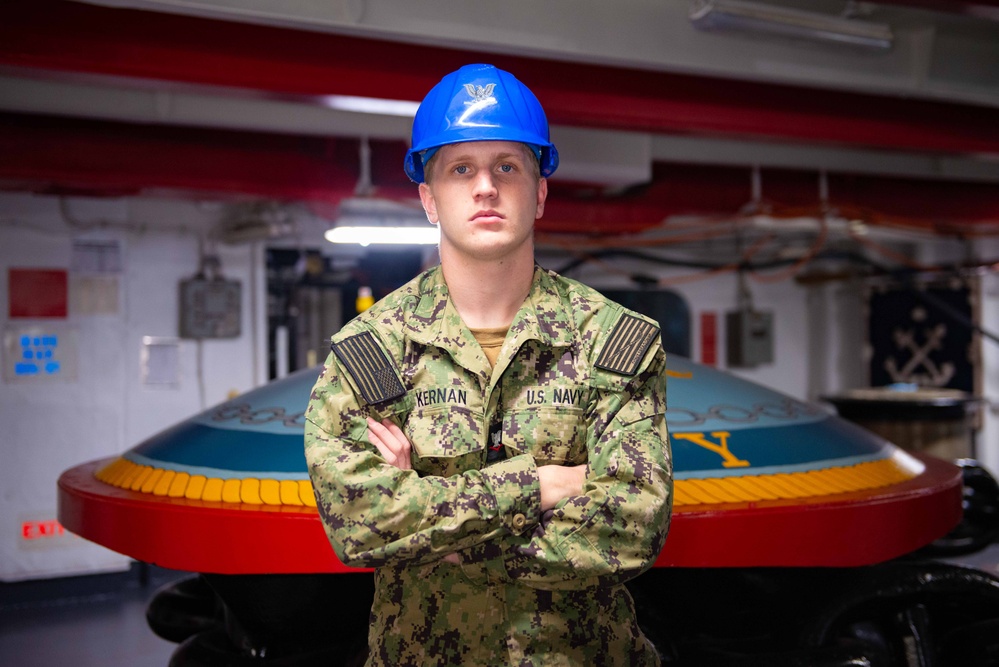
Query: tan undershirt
[{"x": 491, "y": 341}]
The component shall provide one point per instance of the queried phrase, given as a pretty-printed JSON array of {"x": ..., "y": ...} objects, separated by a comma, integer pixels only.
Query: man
[{"x": 491, "y": 437}]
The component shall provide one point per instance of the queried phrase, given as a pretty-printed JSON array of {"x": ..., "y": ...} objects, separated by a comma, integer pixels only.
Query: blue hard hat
[{"x": 479, "y": 103}]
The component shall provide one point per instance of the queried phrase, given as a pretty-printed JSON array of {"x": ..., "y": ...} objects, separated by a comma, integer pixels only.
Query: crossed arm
[
  {"x": 556, "y": 482},
  {"x": 601, "y": 522}
]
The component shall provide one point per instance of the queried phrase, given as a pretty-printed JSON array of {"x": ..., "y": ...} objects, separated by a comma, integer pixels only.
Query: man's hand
[
  {"x": 391, "y": 442},
  {"x": 558, "y": 482},
  {"x": 394, "y": 447}
]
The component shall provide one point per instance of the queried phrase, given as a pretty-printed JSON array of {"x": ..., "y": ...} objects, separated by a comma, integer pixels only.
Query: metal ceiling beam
[
  {"x": 66, "y": 37},
  {"x": 945, "y": 55}
]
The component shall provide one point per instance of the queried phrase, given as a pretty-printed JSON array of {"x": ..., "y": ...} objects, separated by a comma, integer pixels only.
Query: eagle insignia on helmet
[{"x": 479, "y": 93}]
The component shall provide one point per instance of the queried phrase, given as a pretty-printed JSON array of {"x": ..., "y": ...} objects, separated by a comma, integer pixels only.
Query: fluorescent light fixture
[
  {"x": 384, "y": 235},
  {"x": 373, "y": 105},
  {"x": 772, "y": 20},
  {"x": 366, "y": 221}
]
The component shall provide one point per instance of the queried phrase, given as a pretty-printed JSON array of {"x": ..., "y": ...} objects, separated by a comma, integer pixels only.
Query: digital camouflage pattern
[{"x": 531, "y": 588}]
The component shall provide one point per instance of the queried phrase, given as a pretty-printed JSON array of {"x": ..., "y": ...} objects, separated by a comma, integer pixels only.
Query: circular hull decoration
[{"x": 761, "y": 480}]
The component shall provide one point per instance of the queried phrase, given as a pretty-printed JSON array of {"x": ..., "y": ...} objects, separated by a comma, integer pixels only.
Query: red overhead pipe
[
  {"x": 98, "y": 156},
  {"x": 70, "y": 37},
  {"x": 48, "y": 154}
]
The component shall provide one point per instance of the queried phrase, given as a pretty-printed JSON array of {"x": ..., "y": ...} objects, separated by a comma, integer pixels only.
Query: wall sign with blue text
[{"x": 39, "y": 353}]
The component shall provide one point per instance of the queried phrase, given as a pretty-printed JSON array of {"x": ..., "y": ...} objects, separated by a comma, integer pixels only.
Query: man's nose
[{"x": 484, "y": 186}]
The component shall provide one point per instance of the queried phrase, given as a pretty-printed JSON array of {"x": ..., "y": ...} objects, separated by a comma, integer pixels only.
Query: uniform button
[{"x": 519, "y": 521}]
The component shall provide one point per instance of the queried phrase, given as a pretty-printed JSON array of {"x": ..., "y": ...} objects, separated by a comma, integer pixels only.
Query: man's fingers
[
  {"x": 560, "y": 482},
  {"x": 388, "y": 433},
  {"x": 395, "y": 432},
  {"x": 390, "y": 442},
  {"x": 386, "y": 453},
  {"x": 378, "y": 430}
]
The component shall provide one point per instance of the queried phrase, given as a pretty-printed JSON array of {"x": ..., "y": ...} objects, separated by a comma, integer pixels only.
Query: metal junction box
[
  {"x": 210, "y": 308},
  {"x": 750, "y": 335}
]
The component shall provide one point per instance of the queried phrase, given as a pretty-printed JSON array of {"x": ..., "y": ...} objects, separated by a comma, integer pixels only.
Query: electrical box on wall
[
  {"x": 750, "y": 335},
  {"x": 210, "y": 308}
]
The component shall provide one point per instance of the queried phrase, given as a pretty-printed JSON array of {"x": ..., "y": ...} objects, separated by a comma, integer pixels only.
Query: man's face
[{"x": 485, "y": 195}]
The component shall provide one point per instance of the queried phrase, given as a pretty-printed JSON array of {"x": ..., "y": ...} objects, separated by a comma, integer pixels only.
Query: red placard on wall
[
  {"x": 37, "y": 293},
  {"x": 709, "y": 338}
]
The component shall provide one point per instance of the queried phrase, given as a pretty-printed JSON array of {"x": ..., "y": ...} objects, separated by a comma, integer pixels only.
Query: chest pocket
[
  {"x": 552, "y": 435},
  {"x": 447, "y": 440}
]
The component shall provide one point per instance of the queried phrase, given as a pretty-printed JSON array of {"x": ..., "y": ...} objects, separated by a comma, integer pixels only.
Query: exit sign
[{"x": 43, "y": 531}]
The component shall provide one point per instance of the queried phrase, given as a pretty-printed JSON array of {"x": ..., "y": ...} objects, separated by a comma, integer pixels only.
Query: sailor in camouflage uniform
[{"x": 504, "y": 471}]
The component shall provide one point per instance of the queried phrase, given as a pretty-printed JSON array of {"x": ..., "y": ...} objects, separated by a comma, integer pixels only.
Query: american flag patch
[
  {"x": 627, "y": 344},
  {"x": 370, "y": 367}
]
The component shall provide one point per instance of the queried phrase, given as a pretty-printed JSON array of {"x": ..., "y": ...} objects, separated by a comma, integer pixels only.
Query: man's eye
[
  {"x": 506, "y": 168},
  {"x": 461, "y": 169}
]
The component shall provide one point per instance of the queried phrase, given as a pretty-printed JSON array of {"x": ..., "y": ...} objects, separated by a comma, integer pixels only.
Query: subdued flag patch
[
  {"x": 627, "y": 344},
  {"x": 370, "y": 367}
]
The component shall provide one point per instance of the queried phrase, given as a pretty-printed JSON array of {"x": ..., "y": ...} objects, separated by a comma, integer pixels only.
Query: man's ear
[
  {"x": 429, "y": 203},
  {"x": 542, "y": 196}
]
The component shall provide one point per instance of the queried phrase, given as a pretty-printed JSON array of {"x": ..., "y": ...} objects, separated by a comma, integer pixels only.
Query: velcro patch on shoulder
[
  {"x": 627, "y": 344},
  {"x": 370, "y": 367}
]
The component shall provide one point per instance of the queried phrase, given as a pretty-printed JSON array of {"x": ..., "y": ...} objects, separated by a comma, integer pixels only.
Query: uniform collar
[{"x": 543, "y": 316}]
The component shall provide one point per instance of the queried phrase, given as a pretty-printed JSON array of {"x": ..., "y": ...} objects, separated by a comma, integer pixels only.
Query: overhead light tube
[
  {"x": 722, "y": 15},
  {"x": 377, "y": 235},
  {"x": 371, "y": 105},
  {"x": 372, "y": 221}
]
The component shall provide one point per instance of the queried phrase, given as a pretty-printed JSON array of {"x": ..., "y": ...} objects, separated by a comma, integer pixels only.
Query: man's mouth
[{"x": 487, "y": 214}]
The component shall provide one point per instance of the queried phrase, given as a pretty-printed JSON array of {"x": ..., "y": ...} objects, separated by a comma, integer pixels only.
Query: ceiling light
[
  {"x": 772, "y": 20},
  {"x": 384, "y": 235},
  {"x": 373, "y": 105},
  {"x": 366, "y": 221}
]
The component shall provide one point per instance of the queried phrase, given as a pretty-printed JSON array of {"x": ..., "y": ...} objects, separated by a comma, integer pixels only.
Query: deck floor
[{"x": 64, "y": 625}]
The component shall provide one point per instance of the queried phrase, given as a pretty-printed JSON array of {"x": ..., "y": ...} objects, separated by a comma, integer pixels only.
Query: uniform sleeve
[
  {"x": 616, "y": 529},
  {"x": 375, "y": 514}
]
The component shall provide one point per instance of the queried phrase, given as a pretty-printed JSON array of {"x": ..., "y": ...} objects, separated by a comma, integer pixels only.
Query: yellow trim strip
[
  {"x": 811, "y": 484},
  {"x": 124, "y": 474}
]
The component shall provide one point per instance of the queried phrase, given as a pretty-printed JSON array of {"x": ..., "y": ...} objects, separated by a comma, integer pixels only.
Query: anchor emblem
[{"x": 934, "y": 375}]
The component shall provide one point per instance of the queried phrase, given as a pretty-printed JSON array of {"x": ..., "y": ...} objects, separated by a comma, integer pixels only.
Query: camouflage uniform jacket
[{"x": 532, "y": 588}]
